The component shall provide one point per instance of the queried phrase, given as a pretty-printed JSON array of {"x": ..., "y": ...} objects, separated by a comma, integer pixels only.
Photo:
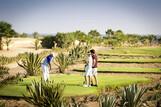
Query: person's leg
[
  {"x": 95, "y": 76},
  {"x": 85, "y": 73},
  {"x": 89, "y": 79},
  {"x": 43, "y": 72},
  {"x": 86, "y": 81},
  {"x": 44, "y": 76},
  {"x": 47, "y": 74},
  {"x": 95, "y": 79}
]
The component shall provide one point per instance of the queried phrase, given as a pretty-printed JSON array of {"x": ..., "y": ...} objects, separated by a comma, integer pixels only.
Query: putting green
[{"x": 74, "y": 84}]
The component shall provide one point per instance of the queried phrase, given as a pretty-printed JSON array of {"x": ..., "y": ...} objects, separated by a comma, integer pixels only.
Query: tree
[
  {"x": 5, "y": 31},
  {"x": 48, "y": 41},
  {"x": 159, "y": 40},
  {"x": 152, "y": 38},
  {"x": 81, "y": 36},
  {"x": 118, "y": 32},
  {"x": 24, "y": 35},
  {"x": 122, "y": 38},
  {"x": 133, "y": 39},
  {"x": 110, "y": 32},
  {"x": 35, "y": 34},
  {"x": 94, "y": 33},
  {"x": 64, "y": 40}
]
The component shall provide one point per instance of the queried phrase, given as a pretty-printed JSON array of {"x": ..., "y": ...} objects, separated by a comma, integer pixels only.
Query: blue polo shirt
[{"x": 48, "y": 59}]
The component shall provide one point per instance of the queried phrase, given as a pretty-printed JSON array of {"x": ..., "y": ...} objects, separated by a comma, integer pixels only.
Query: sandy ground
[{"x": 20, "y": 45}]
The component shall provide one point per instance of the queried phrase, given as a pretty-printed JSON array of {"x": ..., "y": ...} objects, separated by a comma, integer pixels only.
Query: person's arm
[
  {"x": 49, "y": 66},
  {"x": 50, "y": 63},
  {"x": 94, "y": 61}
]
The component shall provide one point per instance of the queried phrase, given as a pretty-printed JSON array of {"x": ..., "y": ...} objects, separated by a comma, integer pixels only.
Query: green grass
[
  {"x": 145, "y": 51},
  {"x": 73, "y": 84},
  {"x": 140, "y": 60},
  {"x": 125, "y": 69}
]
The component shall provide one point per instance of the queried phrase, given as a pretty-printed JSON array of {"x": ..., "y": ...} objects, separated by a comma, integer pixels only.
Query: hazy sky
[{"x": 52, "y": 16}]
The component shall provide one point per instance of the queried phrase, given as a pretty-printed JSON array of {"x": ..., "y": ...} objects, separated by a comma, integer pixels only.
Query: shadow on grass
[
  {"x": 127, "y": 62},
  {"x": 121, "y": 72}
]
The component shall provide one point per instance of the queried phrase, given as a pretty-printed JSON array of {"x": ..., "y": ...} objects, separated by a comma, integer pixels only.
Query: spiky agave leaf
[
  {"x": 107, "y": 101},
  {"x": 131, "y": 96},
  {"x": 45, "y": 94},
  {"x": 62, "y": 61}
]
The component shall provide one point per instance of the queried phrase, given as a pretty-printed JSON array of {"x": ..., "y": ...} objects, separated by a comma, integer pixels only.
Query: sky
[{"x": 52, "y": 16}]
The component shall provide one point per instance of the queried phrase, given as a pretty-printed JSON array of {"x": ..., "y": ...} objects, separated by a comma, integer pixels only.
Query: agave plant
[
  {"x": 3, "y": 70},
  {"x": 74, "y": 103},
  {"x": 2, "y": 104},
  {"x": 77, "y": 52},
  {"x": 107, "y": 101},
  {"x": 62, "y": 61},
  {"x": 45, "y": 94},
  {"x": 131, "y": 96},
  {"x": 31, "y": 63},
  {"x": 6, "y": 60}
]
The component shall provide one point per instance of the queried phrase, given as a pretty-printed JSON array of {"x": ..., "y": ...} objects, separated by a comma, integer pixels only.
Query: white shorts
[
  {"x": 94, "y": 71},
  {"x": 88, "y": 71}
]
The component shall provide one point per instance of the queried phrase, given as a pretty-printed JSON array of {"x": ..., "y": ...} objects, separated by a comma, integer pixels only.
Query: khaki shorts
[{"x": 94, "y": 71}]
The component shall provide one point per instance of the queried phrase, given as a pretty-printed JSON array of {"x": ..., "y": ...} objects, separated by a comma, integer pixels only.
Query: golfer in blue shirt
[{"x": 46, "y": 66}]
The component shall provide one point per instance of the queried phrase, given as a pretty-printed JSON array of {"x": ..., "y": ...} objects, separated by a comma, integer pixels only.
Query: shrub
[
  {"x": 45, "y": 94},
  {"x": 107, "y": 101},
  {"x": 131, "y": 96},
  {"x": 31, "y": 63}
]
